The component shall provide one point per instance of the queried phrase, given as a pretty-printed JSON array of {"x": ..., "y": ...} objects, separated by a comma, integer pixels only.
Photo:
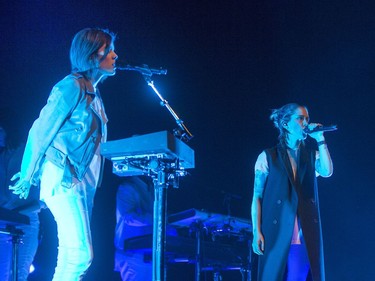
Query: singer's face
[
  {"x": 107, "y": 65},
  {"x": 298, "y": 121}
]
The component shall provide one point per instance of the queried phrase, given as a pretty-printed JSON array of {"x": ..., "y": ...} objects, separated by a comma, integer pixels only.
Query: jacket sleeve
[{"x": 61, "y": 102}]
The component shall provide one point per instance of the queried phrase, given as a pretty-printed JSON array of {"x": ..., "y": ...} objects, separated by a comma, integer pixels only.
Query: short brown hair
[{"x": 84, "y": 48}]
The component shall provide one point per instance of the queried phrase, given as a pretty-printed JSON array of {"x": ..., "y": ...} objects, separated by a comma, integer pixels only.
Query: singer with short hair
[
  {"x": 287, "y": 232},
  {"x": 63, "y": 150}
]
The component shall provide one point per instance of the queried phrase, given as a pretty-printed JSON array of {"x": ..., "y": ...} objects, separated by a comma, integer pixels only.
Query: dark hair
[
  {"x": 281, "y": 116},
  {"x": 84, "y": 48}
]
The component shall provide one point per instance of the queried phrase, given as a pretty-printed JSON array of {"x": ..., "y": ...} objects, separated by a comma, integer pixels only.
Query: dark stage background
[{"x": 229, "y": 63}]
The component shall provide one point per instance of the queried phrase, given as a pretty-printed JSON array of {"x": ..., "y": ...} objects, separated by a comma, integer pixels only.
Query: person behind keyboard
[
  {"x": 134, "y": 218},
  {"x": 10, "y": 161}
]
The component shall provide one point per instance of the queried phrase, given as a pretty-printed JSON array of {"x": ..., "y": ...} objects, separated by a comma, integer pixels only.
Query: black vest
[{"x": 285, "y": 197}]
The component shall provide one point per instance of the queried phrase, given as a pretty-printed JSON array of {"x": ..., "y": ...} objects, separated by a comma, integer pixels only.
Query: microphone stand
[
  {"x": 159, "y": 267},
  {"x": 182, "y": 133}
]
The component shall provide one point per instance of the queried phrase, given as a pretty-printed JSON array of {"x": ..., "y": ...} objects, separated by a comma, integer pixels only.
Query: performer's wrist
[{"x": 320, "y": 143}]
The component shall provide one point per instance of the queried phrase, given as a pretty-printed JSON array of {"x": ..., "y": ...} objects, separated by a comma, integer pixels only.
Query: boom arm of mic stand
[{"x": 186, "y": 135}]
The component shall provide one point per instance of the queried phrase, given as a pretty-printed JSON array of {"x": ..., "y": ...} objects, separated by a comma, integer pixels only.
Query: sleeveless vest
[{"x": 285, "y": 197}]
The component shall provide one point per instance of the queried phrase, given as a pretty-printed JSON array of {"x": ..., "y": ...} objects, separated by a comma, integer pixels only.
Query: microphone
[
  {"x": 320, "y": 129},
  {"x": 144, "y": 69}
]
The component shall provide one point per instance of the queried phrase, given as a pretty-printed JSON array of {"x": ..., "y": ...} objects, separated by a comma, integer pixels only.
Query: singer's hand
[
  {"x": 21, "y": 187},
  {"x": 319, "y": 135},
  {"x": 258, "y": 243}
]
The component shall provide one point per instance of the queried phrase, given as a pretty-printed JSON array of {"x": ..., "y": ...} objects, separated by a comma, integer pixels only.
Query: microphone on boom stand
[{"x": 144, "y": 69}]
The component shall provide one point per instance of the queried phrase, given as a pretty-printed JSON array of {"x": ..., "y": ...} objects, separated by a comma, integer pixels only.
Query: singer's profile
[{"x": 287, "y": 234}]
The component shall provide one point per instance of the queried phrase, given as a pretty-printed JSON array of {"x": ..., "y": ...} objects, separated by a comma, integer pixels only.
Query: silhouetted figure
[{"x": 10, "y": 162}]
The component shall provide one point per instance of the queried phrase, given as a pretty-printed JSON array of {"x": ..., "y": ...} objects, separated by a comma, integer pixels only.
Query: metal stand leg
[
  {"x": 16, "y": 240},
  {"x": 249, "y": 260},
  {"x": 246, "y": 274},
  {"x": 217, "y": 276},
  {"x": 159, "y": 271},
  {"x": 198, "y": 235}
]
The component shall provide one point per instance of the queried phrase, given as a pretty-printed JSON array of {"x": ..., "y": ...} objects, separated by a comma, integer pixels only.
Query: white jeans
[{"x": 71, "y": 209}]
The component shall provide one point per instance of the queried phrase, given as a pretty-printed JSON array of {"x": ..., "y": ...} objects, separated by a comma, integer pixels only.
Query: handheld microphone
[
  {"x": 320, "y": 129},
  {"x": 144, "y": 69}
]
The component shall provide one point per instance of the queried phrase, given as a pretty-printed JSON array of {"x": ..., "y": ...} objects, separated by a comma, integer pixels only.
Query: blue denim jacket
[{"x": 67, "y": 132}]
